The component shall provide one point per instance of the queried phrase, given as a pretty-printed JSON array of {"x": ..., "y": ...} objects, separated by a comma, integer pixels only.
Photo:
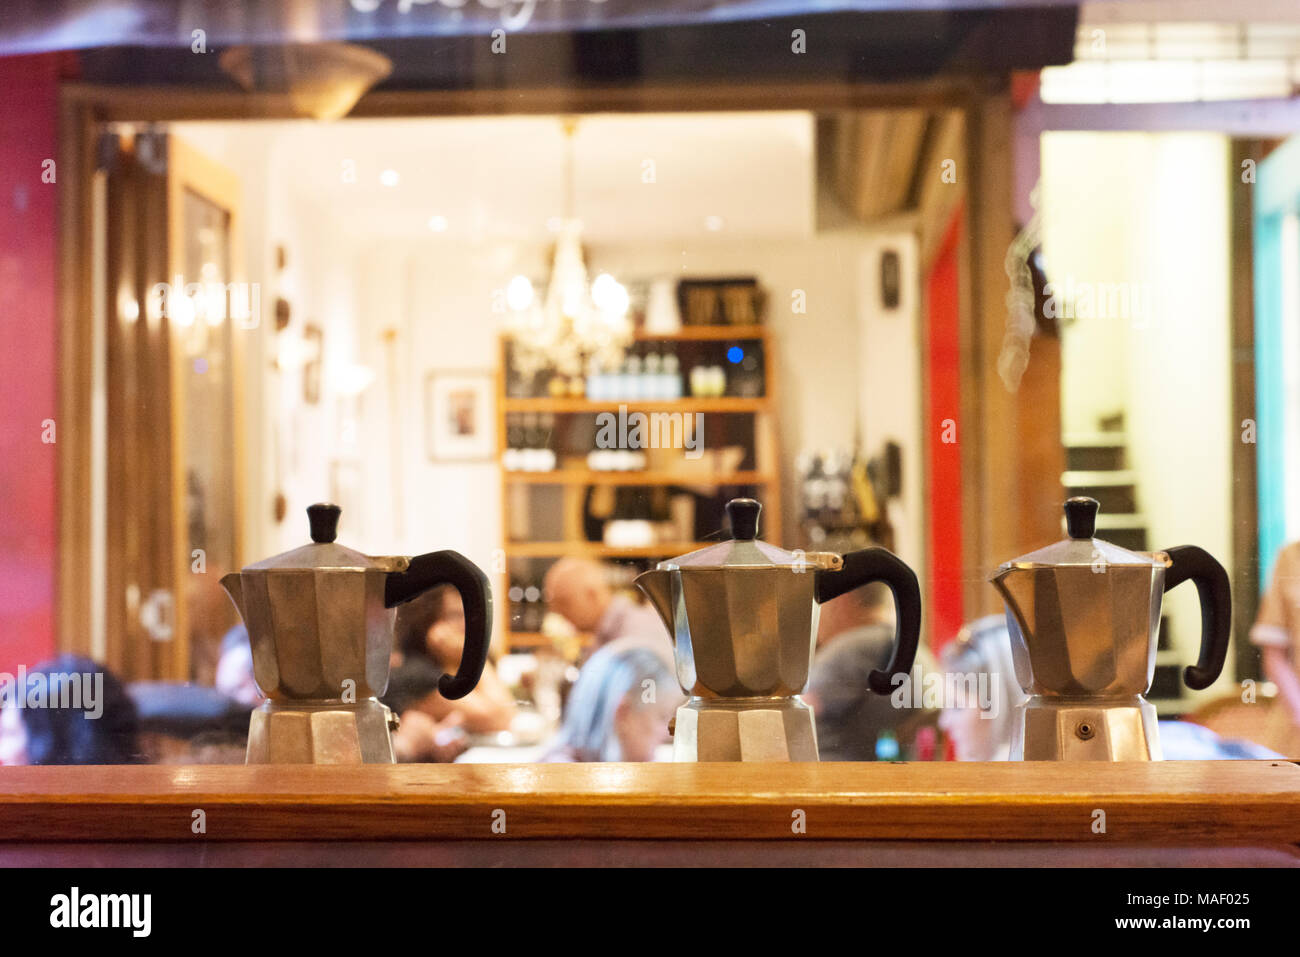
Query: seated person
[
  {"x": 234, "y": 677},
  {"x": 1187, "y": 741},
  {"x": 579, "y": 590},
  {"x": 855, "y": 636},
  {"x": 69, "y": 711},
  {"x": 980, "y": 733},
  {"x": 619, "y": 708},
  {"x": 430, "y": 639},
  {"x": 984, "y": 734},
  {"x": 1277, "y": 634}
]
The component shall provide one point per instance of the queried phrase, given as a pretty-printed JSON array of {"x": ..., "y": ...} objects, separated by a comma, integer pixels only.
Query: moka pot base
[
  {"x": 745, "y": 729},
  {"x": 320, "y": 732},
  {"x": 1086, "y": 729}
]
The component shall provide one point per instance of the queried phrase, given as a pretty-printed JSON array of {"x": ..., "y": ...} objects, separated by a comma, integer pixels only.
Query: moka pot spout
[
  {"x": 657, "y": 584},
  {"x": 233, "y": 583}
]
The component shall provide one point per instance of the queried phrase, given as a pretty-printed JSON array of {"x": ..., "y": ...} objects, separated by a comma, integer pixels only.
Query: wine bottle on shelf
[
  {"x": 546, "y": 458},
  {"x": 528, "y": 429},
  {"x": 511, "y": 458},
  {"x": 672, "y": 375},
  {"x": 629, "y": 525},
  {"x": 533, "y": 610},
  {"x": 516, "y": 599},
  {"x": 632, "y": 377},
  {"x": 595, "y": 380},
  {"x": 699, "y": 380},
  {"x": 652, "y": 379}
]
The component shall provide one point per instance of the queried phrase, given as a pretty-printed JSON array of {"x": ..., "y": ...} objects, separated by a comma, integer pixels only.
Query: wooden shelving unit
[
  {"x": 575, "y": 481},
  {"x": 592, "y": 477},
  {"x": 705, "y": 334},
  {"x": 592, "y": 406}
]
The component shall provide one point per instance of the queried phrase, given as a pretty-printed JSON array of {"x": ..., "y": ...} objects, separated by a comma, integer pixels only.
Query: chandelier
[{"x": 576, "y": 325}]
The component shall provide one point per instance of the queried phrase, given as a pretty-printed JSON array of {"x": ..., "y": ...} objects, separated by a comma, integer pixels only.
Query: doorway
[{"x": 168, "y": 443}]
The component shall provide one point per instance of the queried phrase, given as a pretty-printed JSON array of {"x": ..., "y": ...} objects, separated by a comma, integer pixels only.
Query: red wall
[
  {"x": 28, "y": 344},
  {"x": 943, "y": 374}
]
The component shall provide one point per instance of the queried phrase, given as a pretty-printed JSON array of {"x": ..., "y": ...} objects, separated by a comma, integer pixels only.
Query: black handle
[
  {"x": 881, "y": 565},
  {"x": 1081, "y": 516},
  {"x": 1196, "y": 564},
  {"x": 324, "y": 521},
  {"x": 451, "y": 568},
  {"x": 743, "y": 514}
]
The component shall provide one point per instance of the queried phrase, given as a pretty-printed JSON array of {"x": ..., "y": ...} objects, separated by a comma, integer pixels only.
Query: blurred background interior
[{"x": 923, "y": 273}]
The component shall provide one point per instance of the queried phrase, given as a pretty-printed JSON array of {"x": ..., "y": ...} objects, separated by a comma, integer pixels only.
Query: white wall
[
  {"x": 409, "y": 305},
  {"x": 890, "y": 382},
  {"x": 1153, "y": 209},
  {"x": 1180, "y": 363},
  {"x": 1088, "y": 203},
  {"x": 324, "y": 294},
  {"x": 427, "y": 307}
]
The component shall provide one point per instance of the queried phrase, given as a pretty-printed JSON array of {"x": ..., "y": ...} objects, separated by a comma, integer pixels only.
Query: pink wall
[{"x": 28, "y": 348}]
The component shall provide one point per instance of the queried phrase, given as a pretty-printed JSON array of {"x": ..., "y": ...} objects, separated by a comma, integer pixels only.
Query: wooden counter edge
[{"x": 1197, "y": 802}]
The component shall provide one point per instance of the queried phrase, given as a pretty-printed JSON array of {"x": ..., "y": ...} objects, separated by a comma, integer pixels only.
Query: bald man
[{"x": 579, "y": 590}]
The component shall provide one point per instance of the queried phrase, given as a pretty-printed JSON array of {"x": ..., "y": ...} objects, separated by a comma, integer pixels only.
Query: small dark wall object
[
  {"x": 281, "y": 314},
  {"x": 891, "y": 279},
  {"x": 893, "y": 461}
]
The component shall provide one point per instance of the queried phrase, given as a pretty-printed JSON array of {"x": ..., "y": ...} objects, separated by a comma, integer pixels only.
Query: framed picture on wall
[{"x": 458, "y": 416}]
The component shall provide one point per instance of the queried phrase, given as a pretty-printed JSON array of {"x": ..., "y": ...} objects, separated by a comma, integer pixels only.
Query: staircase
[{"x": 1096, "y": 465}]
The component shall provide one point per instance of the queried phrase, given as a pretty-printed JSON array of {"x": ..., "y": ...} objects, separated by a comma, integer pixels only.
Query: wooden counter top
[{"x": 1202, "y": 802}]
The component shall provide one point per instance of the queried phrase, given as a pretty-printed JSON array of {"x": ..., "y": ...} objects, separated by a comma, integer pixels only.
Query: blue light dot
[
  {"x": 887, "y": 747},
  {"x": 735, "y": 354},
  {"x": 200, "y": 365}
]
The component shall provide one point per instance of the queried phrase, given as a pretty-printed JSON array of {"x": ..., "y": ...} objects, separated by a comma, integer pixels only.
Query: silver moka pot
[
  {"x": 320, "y": 619},
  {"x": 743, "y": 616},
  {"x": 1084, "y": 616}
]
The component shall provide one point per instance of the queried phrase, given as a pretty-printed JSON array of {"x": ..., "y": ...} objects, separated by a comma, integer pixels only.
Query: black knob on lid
[
  {"x": 743, "y": 514},
  {"x": 1081, "y": 516},
  {"x": 324, "y": 522}
]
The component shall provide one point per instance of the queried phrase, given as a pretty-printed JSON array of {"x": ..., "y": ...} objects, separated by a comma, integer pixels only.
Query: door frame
[
  {"x": 189, "y": 170},
  {"x": 78, "y": 626}
]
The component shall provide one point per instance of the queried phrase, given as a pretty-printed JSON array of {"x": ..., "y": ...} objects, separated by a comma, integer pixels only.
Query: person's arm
[
  {"x": 489, "y": 707},
  {"x": 494, "y": 704},
  {"x": 419, "y": 738},
  {"x": 1273, "y": 634},
  {"x": 1278, "y": 669}
]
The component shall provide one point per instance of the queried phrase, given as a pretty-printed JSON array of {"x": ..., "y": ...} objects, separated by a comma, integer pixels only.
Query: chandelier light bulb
[
  {"x": 609, "y": 295},
  {"x": 519, "y": 293},
  {"x": 183, "y": 312},
  {"x": 577, "y": 323},
  {"x": 127, "y": 305}
]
